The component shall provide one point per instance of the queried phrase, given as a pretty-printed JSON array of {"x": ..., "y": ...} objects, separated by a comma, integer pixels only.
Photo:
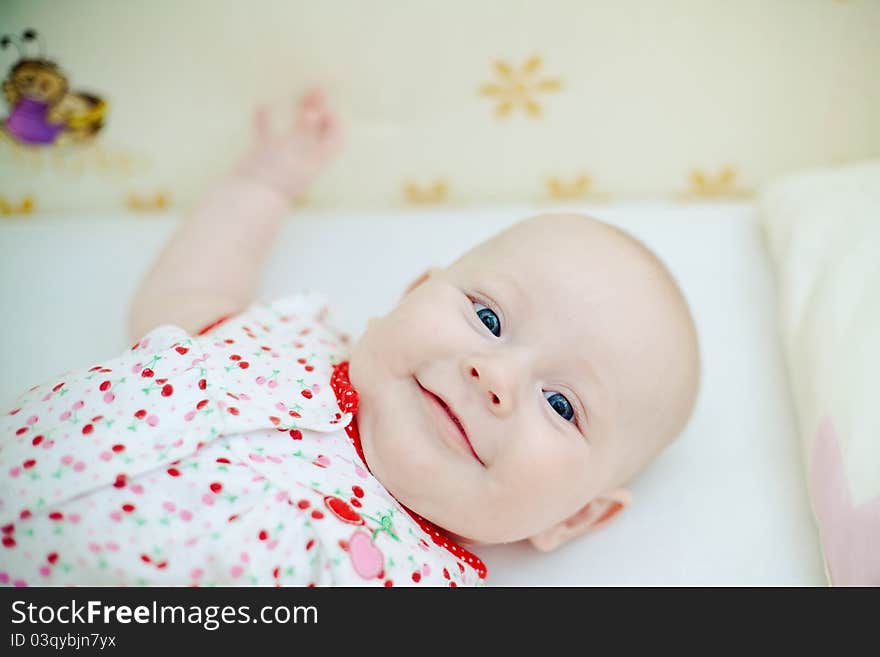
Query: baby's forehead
[
  {"x": 597, "y": 279},
  {"x": 570, "y": 250},
  {"x": 561, "y": 235}
]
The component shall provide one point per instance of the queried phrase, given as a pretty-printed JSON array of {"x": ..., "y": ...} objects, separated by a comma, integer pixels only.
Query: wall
[{"x": 452, "y": 102}]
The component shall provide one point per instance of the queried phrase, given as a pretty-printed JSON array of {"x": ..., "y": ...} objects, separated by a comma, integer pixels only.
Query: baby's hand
[{"x": 290, "y": 162}]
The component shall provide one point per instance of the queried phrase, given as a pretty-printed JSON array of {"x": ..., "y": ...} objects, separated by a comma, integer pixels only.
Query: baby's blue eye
[
  {"x": 561, "y": 405},
  {"x": 489, "y": 318}
]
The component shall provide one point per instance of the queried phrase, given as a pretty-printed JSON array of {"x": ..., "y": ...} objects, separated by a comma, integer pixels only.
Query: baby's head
[{"x": 568, "y": 354}]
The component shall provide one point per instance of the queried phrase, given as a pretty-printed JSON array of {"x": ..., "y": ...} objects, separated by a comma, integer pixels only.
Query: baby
[{"x": 511, "y": 395}]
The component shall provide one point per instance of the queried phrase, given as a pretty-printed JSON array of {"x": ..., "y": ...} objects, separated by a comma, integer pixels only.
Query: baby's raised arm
[{"x": 210, "y": 266}]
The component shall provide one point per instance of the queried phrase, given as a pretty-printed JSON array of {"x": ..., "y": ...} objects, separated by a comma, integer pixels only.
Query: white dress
[{"x": 218, "y": 459}]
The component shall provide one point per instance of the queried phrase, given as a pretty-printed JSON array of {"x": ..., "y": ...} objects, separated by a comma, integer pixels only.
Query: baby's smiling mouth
[{"x": 454, "y": 418}]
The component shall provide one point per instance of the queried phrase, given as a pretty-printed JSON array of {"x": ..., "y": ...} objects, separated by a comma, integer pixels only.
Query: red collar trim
[
  {"x": 214, "y": 324},
  {"x": 347, "y": 398}
]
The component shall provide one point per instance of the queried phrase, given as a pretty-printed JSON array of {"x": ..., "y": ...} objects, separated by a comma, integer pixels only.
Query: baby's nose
[{"x": 476, "y": 375}]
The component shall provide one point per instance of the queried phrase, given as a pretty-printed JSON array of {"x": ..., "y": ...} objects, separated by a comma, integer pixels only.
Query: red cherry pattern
[{"x": 342, "y": 510}]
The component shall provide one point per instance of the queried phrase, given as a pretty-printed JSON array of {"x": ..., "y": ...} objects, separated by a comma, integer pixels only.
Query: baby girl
[{"x": 510, "y": 395}]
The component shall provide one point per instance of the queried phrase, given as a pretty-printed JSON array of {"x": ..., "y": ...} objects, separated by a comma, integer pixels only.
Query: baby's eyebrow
[
  {"x": 590, "y": 392},
  {"x": 510, "y": 284}
]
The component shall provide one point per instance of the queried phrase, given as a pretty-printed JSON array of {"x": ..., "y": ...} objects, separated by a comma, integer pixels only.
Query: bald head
[
  {"x": 566, "y": 356},
  {"x": 635, "y": 317},
  {"x": 679, "y": 374}
]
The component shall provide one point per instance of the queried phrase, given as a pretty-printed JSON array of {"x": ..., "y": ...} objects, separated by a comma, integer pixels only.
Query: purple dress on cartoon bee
[
  {"x": 224, "y": 458},
  {"x": 28, "y": 123}
]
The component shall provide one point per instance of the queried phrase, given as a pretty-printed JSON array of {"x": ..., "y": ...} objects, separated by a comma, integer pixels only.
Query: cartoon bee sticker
[{"x": 42, "y": 110}]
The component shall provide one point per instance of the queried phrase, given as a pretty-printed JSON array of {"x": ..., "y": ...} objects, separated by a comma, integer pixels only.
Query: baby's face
[{"x": 550, "y": 346}]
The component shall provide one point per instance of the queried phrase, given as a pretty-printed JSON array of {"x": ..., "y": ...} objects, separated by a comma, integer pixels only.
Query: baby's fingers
[
  {"x": 314, "y": 99},
  {"x": 317, "y": 122},
  {"x": 329, "y": 132},
  {"x": 311, "y": 108},
  {"x": 262, "y": 127}
]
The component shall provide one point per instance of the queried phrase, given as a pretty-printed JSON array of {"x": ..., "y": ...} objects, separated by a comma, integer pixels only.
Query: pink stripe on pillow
[{"x": 850, "y": 535}]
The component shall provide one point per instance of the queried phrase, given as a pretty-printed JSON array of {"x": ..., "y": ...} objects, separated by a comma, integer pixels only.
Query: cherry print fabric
[{"x": 225, "y": 458}]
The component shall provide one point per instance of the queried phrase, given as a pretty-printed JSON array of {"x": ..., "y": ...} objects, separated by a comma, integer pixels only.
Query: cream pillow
[{"x": 823, "y": 233}]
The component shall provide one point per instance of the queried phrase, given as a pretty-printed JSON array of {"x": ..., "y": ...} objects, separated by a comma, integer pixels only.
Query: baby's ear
[
  {"x": 421, "y": 279},
  {"x": 594, "y": 515}
]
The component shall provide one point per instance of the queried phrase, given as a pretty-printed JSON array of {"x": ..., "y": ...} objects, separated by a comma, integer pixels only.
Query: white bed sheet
[{"x": 725, "y": 505}]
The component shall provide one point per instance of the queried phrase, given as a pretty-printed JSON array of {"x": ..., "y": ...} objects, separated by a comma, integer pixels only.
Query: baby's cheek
[
  {"x": 397, "y": 341},
  {"x": 395, "y": 345},
  {"x": 555, "y": 473}
]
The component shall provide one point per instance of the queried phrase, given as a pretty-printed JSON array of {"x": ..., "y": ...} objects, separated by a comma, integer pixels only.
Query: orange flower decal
[
  {"x": 562, "y": 191},
  {"x": 7, "y": 208},
  {"x": 433, "y": 193},
  {"x": 519, "y": 88},
  {"x": 157, "y": 202},
  {"x": 705, "y": 186}
]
